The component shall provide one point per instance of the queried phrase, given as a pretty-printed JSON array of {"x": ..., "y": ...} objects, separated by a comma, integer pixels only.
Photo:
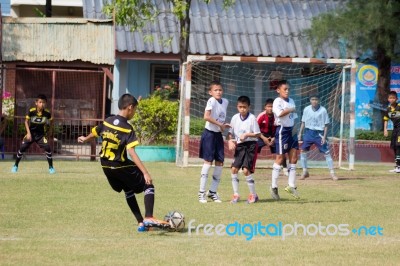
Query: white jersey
[
  {"x": 218, "y": 112},
  {"x": 278, "y": 106},
  {"x": 315, "y": 120},
  {"x": 239, "y": 127}
]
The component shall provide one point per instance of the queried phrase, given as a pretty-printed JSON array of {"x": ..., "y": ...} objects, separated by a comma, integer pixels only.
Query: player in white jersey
[
  {"x": 212, "y": 143},
  {"x": 284, "y": 110},
  {"x": 243, "y": 136},
  {"x": 315, "y": 121}
]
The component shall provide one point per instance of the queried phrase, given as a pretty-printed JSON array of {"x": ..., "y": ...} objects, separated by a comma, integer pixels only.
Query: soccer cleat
[
  {"x": 398, "y": 169},
  {"x": 235, "y": 198},
  {"x": 142, "y": 228},
  {"x": 202, "y": 197},
  {"x": 14, "y": 169},
  {"x": 52, "y": 170},
  {"x": 334, "y": 177},
  {"x": 292, "y": 191},
  {"x": 304, "y": 175},
  {"x": 214, "y": 196},
  {"x": 252, "y": 198},
  {"x": 274, "y": 193},
  {"x": 152, "y": 222}
]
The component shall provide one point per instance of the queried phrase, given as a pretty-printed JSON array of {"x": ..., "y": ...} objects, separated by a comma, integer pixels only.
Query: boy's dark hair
[
  {"x": 313, "y": 96},
  {"x": 126, "y": 100},
  {"x": 269, "y": 101},
  {"x": 393, "y": 93},
  {"x": 214, "y": 83},
  {"x": 41, "y": 97},
  {"x": 280, "y": 83},
  {"x": 244, "y": 99}
]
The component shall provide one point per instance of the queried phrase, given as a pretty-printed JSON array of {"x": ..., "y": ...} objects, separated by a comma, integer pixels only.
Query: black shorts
[
  {"x": 41, "y": 140},
  {"x": 126, "y": 178},
  {"x": 245, "y": 156},
  {"x": 395, "y": 141}
]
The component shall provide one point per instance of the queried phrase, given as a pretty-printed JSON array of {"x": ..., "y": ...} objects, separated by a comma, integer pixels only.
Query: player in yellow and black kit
[
  {"x": 393, "y": 113},
  {"x": 119, "y": 139},
  {"x": 37, "y": 122}
]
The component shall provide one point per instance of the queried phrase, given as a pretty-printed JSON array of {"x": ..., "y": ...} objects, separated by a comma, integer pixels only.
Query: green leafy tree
[
  {"x": 362, "y": 26},
  {"x": 137, "y": 14}
]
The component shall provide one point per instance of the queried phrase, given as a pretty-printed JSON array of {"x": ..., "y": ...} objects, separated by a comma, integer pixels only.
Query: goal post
[{"x": 332, "y": 79}]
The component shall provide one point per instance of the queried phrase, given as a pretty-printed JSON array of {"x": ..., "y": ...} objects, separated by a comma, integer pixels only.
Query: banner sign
[{"x": 366, "y": 84}]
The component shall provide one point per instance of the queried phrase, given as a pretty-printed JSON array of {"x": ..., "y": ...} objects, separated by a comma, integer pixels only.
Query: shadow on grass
[{"x": 303, "y": 201}]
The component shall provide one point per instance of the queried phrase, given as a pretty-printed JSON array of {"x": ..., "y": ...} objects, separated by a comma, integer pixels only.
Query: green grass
[{"x": 74, "y": 217}]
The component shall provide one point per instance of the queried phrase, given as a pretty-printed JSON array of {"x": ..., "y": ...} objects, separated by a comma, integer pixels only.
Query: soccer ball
[{"x": 176, "y": 220}]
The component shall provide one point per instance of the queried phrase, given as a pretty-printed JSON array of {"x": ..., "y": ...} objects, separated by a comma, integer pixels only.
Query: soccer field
[{"x": 74, "y": 218}]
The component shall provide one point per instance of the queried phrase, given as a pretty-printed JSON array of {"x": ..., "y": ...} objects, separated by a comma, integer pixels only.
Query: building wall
[{"x": 139, "y": 76}]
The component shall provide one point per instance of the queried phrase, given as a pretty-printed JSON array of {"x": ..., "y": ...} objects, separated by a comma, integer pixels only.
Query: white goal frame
[{"x": 183, "y": 131}]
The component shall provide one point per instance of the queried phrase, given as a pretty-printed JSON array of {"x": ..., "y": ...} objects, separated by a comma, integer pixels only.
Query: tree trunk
[
  {"x": 384, "y": 62},
  {"x": 48, "y": 9},
  {"x": 184, "y": 36}
]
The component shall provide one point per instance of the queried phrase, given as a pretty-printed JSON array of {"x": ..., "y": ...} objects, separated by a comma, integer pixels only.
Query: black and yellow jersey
[
  {"x": 393, "y": 113},
  {"x": 117, "y": 136},
  {"x": 38, "y": 121}
]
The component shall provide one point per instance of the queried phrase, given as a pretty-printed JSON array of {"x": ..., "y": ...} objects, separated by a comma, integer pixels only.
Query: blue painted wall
[
  {"x": 5, "y": 7},
  {"x": 139, "y": 72}
]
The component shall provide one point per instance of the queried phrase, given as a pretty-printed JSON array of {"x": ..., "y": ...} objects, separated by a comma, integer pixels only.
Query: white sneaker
[
  {"x": 202, "y": 197},
  {"x": 334, "y": 177},
  {"x": 398, "y": 169},
  {"x": 214, "y": 196}
]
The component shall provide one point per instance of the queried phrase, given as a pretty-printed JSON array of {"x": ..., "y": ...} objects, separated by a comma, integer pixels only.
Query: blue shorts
[
  {"x": 211, "y": 146},
  {"x": 314, "y": 137},
  {"x": 284, "y": 141}
]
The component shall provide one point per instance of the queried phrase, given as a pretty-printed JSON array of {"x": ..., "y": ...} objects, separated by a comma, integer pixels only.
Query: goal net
[{"x": 257, "y": 78}]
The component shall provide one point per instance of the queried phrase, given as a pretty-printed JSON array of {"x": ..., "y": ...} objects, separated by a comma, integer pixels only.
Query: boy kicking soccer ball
[{"x": 118, "y": 139}]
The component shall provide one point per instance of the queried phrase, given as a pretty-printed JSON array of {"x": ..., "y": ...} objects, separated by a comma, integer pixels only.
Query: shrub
[
  {"x": 155, "y": 121},
  {"x": 196, "y": 125},
  {"x": 371, "y": 135}
]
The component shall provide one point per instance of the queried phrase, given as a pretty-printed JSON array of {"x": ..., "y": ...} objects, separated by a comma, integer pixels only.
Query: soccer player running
[
  {"x": 243, "y": 136},
  {"x": 119, "y": 139},
  {"x": 266, "y": 122},
  {"x": 284, "y": 110},
  {"x": 393, "y": 113},
  {"x": 37, "y": 122},
  {"x": 314, "y": 122},
  {"x": 212, "y": 143}
]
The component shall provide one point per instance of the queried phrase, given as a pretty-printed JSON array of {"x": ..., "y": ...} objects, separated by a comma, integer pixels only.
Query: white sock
[
  {"x": 303, "y": 161},
  {"x": 235, "y": 183},
  {"x": 250, "y": 184},
  {"x": 276, "y": 168},
  {"x": 204, "y": 177},
  {"x": 292, "y": 175},
  {"x": 216, "y": 178},
  {"x": 329, "y": 162}
]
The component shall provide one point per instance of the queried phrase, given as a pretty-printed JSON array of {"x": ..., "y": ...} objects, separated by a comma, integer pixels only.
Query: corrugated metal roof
[
  {"x": 250, "y": 27},
  {"x": 58, "y": 39}
]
